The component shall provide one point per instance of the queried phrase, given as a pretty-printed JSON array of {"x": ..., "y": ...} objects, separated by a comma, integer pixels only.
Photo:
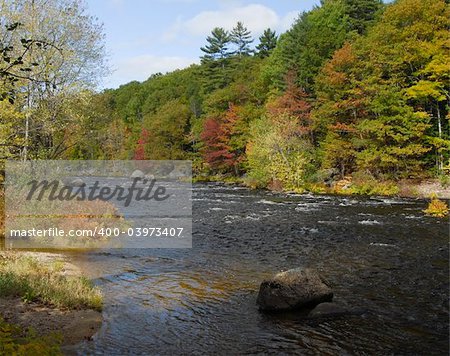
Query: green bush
[{"x": 444, "y": 179}]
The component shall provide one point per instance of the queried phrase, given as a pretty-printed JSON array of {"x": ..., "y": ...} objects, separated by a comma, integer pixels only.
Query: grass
[
  {"x": 32, "y": 280},
  {"x": 15, "y": 341}
]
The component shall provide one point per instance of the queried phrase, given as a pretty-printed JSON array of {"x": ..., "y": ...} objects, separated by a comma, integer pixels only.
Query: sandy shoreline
[
  {"x": 74, "y": 326},
  {"x": 425, "y": 189}
]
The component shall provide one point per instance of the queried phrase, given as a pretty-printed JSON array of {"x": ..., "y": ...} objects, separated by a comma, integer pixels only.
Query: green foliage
[
  {"x": 393, "y": 142},
  {"x": 366, "y": 117},
  {"x": 275, "y": 152},
  {"x": 15, "y": 341},
  {"x": 11, "y": 141},
  {"x": 311, "y": 41},
  {"x": 217, "y": 47},
  {"x": 241, "y": 37},
  {"x": 365, "y": 184},
  {"x": 353, "y": 86},
  {"x": 362, "y": 13},
  {"x": 168, "y": 131},
  {"x": 315, "y": 36},
  {"x": 49, "y": 50},
  {"x": 444, "y": 179},
  {"x": 267, "y": 43}
]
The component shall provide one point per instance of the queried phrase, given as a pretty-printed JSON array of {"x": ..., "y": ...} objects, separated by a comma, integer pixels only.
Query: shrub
[
  {"x": 365, "y": 184},
  {"x": 437, "y": 208},
  {"x": 444, "y": 179}
]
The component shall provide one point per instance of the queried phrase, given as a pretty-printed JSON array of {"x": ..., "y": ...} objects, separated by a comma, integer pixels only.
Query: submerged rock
[
  {"x": 293, "y": 289},
  {"x": 327, "y": 310}
]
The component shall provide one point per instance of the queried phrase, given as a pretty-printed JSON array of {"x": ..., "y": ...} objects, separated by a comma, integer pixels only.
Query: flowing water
[{"x": 388, "y": 265}]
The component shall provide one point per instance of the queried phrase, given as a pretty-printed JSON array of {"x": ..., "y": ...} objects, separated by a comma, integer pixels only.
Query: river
[{"x": 382, "y": 256}]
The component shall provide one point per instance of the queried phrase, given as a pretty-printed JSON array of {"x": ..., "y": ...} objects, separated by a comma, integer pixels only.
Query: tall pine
[
  {"x": 241, "y": 37},
  {"x": 267, "y": 43}
]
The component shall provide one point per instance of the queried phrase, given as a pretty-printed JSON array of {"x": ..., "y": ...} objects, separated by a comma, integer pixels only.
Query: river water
[{"x": 388, "y": 265}]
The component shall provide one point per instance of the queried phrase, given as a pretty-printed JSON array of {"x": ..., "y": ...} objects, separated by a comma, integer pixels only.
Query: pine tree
[
  {"x": 217, "y": 47},
  {"x": 362, "y": 13},
  {"x": 242, "y": 38},
  {"x": 216, "y": 60},
  {"x": 267, "y": 42}
]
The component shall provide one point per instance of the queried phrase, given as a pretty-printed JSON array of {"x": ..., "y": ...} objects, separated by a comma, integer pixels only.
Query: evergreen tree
[
  {"x": 267, "y": 42},
  {"x": 241, "y": 37},
  {"x": 217, "y": 47},
  {"x": 362, "y": 13},
  {"x": 315, "y": 36}
]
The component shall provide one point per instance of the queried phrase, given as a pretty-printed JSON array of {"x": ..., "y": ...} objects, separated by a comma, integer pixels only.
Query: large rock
[{"x": 293, "y": 289}]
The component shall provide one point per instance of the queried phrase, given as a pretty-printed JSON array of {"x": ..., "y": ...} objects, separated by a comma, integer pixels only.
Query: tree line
[{"x": 355, "y": 89}]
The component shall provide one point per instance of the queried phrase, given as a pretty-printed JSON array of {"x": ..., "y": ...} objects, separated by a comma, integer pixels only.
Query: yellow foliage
[{"x": 437, "y": 208}]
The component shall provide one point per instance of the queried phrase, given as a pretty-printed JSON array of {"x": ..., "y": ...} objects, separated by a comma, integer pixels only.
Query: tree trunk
[{"x": 440, "y": 156}]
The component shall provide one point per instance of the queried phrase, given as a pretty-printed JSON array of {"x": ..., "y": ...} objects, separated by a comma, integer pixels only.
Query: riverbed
[{"x": 387, "y": 262}]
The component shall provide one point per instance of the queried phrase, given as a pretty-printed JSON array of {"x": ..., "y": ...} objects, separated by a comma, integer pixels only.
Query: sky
[{"x": 144, "y": 37}]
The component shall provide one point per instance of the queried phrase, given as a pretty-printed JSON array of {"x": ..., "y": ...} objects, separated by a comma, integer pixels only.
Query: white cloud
[
  {"x": 256, "y": 18},
  {"x": 143, "y": 66},
  {"x": 287, "y": 20}
]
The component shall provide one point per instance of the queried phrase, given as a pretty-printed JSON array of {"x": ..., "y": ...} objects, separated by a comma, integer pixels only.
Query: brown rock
[{"x": 293, "y": 289}]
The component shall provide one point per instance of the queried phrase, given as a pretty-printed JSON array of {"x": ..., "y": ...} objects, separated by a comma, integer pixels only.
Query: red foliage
[
  {"x": 139, "y": 152},
  {"x": 216, "y": 136},
  {"x": 335, "y": 71}
]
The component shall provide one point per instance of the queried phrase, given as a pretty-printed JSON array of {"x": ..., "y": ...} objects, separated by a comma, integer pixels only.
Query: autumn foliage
[
  {"x": 139, "y": 152},
  {"x": 294, "y": 105},
  {"x": 217, "y": 137}
]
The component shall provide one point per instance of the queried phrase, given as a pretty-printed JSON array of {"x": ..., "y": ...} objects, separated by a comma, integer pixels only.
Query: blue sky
[{"x": 149, "y": 36}]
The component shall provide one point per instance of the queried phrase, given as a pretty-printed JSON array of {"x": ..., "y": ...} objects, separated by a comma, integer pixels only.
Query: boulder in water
[{"x": 293, "y": 289}]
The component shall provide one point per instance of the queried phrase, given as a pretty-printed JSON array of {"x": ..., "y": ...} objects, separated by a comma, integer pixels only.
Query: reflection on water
[{"x": 383, "y": 257}]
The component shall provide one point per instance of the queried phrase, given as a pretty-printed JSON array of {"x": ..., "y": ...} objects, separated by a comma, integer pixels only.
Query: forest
[
  {"x": 355, "y": 91},
  {"x": 354, "y": 98}
]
